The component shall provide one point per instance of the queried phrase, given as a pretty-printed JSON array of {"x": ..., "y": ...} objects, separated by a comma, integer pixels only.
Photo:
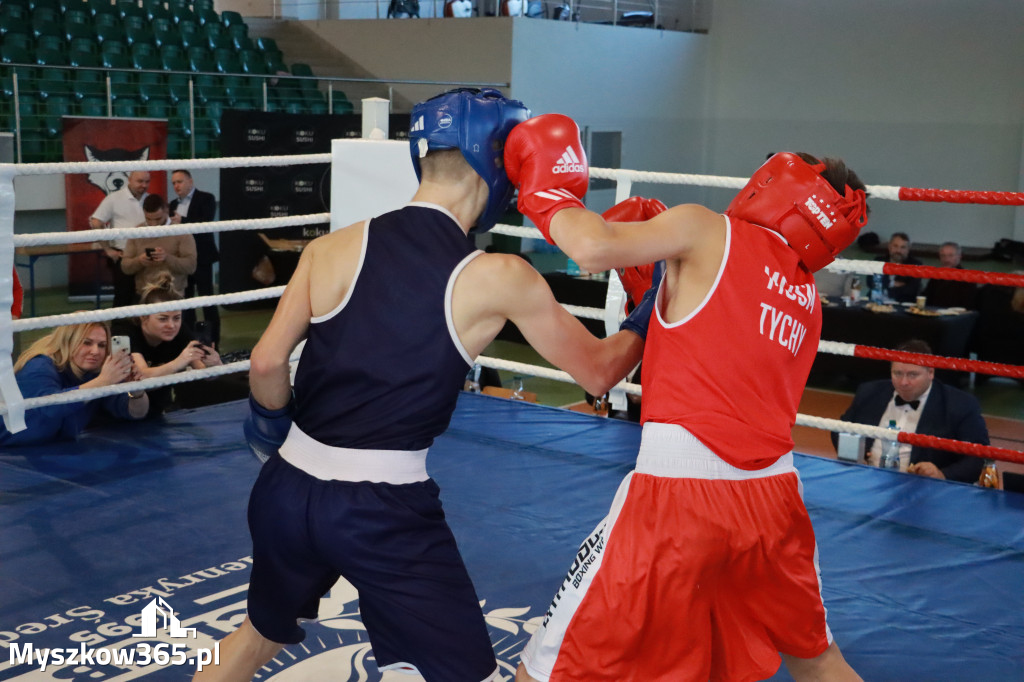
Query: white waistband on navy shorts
[
  {"x": 670, "y": 451},
  {"x": 329, "y": 463}
]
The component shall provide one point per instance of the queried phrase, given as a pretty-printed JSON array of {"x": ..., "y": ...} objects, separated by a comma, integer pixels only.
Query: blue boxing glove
[
  {"x": 640, "y": 317},
  {"x": 266, "y": 430}
]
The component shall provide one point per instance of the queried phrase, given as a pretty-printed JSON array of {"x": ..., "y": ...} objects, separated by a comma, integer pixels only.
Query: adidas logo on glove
[{"x": 569, "y": 163}]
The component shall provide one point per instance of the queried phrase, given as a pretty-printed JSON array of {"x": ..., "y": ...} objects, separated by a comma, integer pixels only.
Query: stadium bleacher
[{"x": 137, "y": 58}]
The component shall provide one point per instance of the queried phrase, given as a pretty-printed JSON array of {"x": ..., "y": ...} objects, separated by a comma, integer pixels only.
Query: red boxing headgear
[{"x": 790, "y": 196}]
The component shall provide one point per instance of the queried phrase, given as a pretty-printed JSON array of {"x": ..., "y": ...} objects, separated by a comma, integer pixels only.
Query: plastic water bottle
[
  {"x": 517, "y": 389},
  {"x": 989, "y": 475},
  {"x": 473, "y": 380},
  {"x": 572, "y": 268},
  {"x": 891, "y": 451},
  {"x": 877, "y": 293},
  {"x": 855, "y": 290}
]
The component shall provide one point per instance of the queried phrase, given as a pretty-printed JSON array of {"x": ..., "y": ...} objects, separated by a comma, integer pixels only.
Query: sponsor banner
[
  {"x": 251, "y": 262},
  {"x": 104, "y": 139}
]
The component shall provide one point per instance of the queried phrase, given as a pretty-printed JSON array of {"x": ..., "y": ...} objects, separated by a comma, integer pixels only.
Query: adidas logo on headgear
[
  {"x": 418, "y": 125},
  {"x": 569, "y": 163}
]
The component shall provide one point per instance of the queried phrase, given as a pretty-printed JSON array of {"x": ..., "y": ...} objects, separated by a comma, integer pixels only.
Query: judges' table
[{"x": 947, "y": 331}]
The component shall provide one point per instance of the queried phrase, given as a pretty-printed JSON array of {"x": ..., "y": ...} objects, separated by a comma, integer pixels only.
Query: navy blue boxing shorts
[{"x": 392, "y": 543}]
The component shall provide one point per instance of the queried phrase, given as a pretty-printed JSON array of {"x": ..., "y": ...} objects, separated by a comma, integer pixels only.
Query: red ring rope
[
  {"x": 977, "y": 276},
  {"x": 939, "y": 361},
  {"x": 960, "y": 196},
  {"x": 960, "y": 447}
]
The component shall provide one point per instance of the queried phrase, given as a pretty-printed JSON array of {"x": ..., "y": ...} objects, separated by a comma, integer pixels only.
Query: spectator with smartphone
[
  {"x": 161, "y": 345},
  {"x": 149, "y": 258},
  {"x": 67, "y": 359}
]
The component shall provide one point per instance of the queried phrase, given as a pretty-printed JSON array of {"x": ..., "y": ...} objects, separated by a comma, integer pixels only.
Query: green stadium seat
[
  {"x": 113, "y": 47},
  {"x": 130, "y": 8},
  {"x": 207, "y": 16},
  {"x": 340, "y": 103},
  {"x": 207, "y": 88},
  {"x": 242, "y": 43},
  {"x": 13, "y": 18},
  {"x": 200, "y": 59},
  {"x": 264, "y": 44},
  {"x": 51, "y": 43},
  {"x": 13, "y": 53},
  {"x": 89, "y": 84},
  {"x": 190, "y": 34},
  {"x": 230, "y": 18},
  {"x": 137, "y": 30},
  {"x": 177, "y": 87},
  {"x": 93, "y": 106},
  {"x": 252, "y": 62},
  {"x": 98, "y": 7},
  {"x": 227, "y": 61},
  {"x": 152, "y": 85},
  {"x": 56, "y": 106},
  {"x": 126, "y": 108},
  {"x": 165, "y": 32},
  {"x": 158, "y": 108},
  {"x": 52, "y": 81},
  {"x": 82, "y": 57},
  {"x": 183, "y": 14},
  {"x": 122, "y": 85},
  {"x": 108, "y": 27},
  {"x": 275, "y": 62},
  {"x": 155, "y": 9},
  {"x": 74, "y": 30},
  {"x": 219, "y": 41},
  {"x": 203, "y": 4}
]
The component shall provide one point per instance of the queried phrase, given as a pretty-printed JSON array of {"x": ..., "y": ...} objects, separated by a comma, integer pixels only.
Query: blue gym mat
[{"x": 922, "y": 578}]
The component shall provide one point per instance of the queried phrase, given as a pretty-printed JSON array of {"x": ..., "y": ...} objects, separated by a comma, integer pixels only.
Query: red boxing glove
[
  {"x": 636, "y": 279},
  {"x": 545, "y": 160}
]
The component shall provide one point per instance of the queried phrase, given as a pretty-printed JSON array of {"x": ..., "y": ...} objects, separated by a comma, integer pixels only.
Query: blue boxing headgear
[{"x": 476, "y": 122}]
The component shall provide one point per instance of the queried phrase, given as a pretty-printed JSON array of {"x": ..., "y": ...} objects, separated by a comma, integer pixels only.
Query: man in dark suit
[
  {"x": 196, "y": 206},
  {"x": 949, "y": 293},
  {"x": 919, "y": 404},
  {"x": 900, "y": 287}
]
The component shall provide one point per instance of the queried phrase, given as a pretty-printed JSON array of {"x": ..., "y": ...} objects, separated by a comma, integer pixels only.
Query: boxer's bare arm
[
  {"x": 497, "y": 287},
  {"x": 320, "y": 283},
  {"x": 598, "y": 245}
]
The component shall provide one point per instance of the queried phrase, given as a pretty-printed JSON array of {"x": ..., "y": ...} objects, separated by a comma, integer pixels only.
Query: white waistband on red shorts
[
  {"x": 670, "y": 451},
  {"x": 329, "y": 463}
]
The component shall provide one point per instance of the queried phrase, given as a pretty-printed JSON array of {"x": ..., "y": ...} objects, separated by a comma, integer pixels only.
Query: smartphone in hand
[{"x": 120, "y": 344}]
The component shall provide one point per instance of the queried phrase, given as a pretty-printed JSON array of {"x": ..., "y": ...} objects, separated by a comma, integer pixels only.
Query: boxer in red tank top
[{"x": 706, "y": 565}]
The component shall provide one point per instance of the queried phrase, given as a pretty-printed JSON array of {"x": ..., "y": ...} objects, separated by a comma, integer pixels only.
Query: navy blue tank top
[{"x": 384, "y": 369}]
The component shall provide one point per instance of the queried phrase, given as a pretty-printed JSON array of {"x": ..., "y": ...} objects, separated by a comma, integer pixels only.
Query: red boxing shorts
[{"x": 701, "y": 571}]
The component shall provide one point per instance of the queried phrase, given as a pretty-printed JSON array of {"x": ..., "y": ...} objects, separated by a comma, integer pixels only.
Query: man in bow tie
[{"x": 920, "y": 404}]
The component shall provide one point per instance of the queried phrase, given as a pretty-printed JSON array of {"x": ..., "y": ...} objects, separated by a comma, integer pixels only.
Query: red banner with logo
[{"x": 104, "y": 139}]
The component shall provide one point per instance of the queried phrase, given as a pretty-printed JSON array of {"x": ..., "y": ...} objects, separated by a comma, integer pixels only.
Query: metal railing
[{"x": 191, "y": 105}]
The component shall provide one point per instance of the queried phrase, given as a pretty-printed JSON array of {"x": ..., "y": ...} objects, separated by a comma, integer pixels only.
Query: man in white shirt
[
  {"x": 920, "y": 404},
  {"x": 122, "y": 208}
]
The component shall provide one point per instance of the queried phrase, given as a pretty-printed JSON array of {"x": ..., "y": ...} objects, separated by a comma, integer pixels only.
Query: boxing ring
[{"x": 920, "y": 576}]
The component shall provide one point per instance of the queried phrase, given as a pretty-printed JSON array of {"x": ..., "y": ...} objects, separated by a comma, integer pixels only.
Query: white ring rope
[
  {"x": 110, "y": 233},
  {"x": 71, "y": 167},
  {"x": 15, "y": 404},
  {"x": 147, "y": 309}
]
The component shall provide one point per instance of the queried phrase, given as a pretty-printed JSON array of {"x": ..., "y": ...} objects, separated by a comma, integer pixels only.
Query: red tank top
[{"x": 733, "y": 371}]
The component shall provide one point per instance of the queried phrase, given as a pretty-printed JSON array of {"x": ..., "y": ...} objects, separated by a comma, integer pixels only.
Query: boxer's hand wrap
[
  {"x": 545, "y": 160},
  {"x": 638, "y": 320},
  {"x": 636, "y": 280},
  {"x": 266, "y": 430}
]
